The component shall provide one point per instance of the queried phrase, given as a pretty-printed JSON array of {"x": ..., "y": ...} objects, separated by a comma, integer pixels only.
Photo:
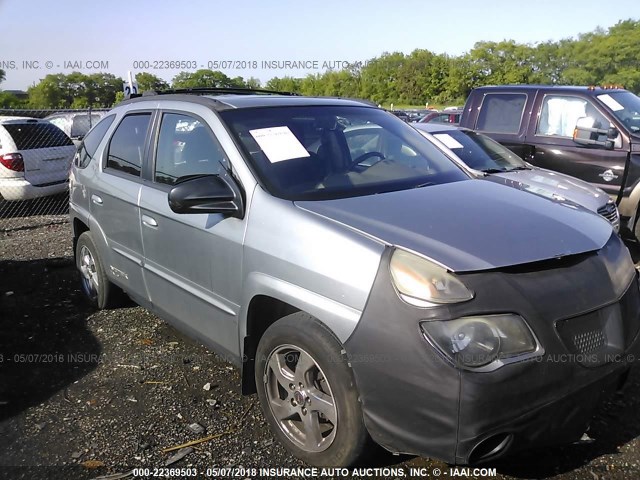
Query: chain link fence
[{"x": 36, "y": 151}]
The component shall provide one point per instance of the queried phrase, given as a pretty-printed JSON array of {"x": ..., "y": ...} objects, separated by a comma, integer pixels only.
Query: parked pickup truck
[{"x": 592, "y": 133}]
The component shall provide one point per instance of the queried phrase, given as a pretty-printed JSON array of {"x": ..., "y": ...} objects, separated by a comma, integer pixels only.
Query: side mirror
[
  {"x": 207, "y": 194},
  {"x": 585, "y": 133}
]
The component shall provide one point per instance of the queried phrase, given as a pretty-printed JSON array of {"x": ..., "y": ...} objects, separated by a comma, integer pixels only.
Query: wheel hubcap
[
  {"x": 300, "y": 398},
  {"x": 88, "y": 272}
]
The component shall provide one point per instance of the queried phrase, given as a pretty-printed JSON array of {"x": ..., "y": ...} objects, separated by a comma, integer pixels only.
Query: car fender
[{"x": 339, "y": 318}]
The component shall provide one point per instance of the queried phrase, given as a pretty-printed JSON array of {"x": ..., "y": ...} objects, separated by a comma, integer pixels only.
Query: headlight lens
[
  {"x": 478, "y": 341},
  {"x": 423, "y": 283}
]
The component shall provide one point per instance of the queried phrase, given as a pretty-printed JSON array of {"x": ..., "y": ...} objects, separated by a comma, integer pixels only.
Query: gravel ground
[{"x": 85, "y": 394}]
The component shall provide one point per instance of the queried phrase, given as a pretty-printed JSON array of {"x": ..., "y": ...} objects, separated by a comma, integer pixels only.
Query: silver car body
[
  {"x": 322, "y": 258},
  {"x": 553, "y": 185},
  {"x": 218, "y": 275},
  {"x": 228, "y": 262}
]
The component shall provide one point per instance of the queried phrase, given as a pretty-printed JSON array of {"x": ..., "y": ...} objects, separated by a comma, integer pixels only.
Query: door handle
[
  {"x": 96, "y": 199},
  {"x": 149, "y": 221}
]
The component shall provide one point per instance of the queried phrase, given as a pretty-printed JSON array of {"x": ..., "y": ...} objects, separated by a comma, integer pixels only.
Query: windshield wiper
[
  {"x": 426, "y": 184},
  {"x": 494, "y": 170},
  {"x": 518, "y": 168}
]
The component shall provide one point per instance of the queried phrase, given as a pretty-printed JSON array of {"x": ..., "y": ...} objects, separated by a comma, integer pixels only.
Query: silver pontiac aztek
[{"x": 367, "y": 287}]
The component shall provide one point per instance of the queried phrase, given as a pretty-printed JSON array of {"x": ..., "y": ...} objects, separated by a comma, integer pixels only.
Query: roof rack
[{"x": 214, "y": 90}]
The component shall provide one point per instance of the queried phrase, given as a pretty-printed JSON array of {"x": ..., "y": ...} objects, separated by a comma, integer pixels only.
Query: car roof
[
  {"x": 230, "y": 101},
  {"x": 555, "y": 88},
  {"x": 20, "y": 120}
]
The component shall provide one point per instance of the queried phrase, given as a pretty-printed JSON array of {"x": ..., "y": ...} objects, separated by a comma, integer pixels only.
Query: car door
[
  {"x": 555, "y": 149},
  {"x": 193, "y": 262},
  {"x": 114, "y": 201}
]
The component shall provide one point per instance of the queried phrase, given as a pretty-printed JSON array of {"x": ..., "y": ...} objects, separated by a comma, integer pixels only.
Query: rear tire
[
  {"x": 308, "y": 393},
  {"x": 97, "y": 288}
]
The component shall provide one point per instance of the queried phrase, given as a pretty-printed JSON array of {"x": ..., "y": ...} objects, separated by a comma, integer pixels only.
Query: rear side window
[
  {"x": 90, "y": 143},
  {"x": 30, "y": 136},
  {"x": 501, "y": 112},
  {"x": 126, "y": 147}
]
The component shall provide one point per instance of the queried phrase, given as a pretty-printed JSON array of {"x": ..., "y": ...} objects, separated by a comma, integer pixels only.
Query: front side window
[
  {"x": 126, "y": 148},
  {"x": 560, "y": 113},
  {"x": 501, "y": 112},
  {"x": 90, "y": 144},
  {"x": 327, "y": 151},
  {"x": 186, "y": 147}
]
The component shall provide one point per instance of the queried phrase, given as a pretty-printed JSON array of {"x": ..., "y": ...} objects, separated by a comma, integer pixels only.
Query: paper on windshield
[
  {"x": 279, "y": 143},
  {"x": 448, "y": 140},
  {"x": 610, "y": 102}
]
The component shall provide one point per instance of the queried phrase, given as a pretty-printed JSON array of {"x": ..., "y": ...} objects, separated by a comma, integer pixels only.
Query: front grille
[
  {"x": 610, "y": 212},
  {"x": 587, "y": 342},
  {"x": 600, "y": 336}
]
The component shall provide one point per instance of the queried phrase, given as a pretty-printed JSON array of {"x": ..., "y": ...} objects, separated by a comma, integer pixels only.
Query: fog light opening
[{"x": 490, "y": 448}]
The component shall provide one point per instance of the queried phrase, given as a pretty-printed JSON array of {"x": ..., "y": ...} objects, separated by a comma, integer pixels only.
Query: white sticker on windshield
[
  {"x": 610, "y": 102},
  {"x": 279, "y": 143},
  {"x": 448, "y": 140}
]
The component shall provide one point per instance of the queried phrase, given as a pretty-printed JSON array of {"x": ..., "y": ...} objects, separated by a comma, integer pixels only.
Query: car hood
[
  {"x": 470, "y": 225},
  {"x": 553, "y": 185}
]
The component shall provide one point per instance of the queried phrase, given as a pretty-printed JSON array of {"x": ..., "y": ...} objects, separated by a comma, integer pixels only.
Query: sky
[{"x": 254, "y": 38}]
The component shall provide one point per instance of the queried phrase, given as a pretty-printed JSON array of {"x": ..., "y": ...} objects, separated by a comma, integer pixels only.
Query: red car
[{"x": 451, "y": 117}]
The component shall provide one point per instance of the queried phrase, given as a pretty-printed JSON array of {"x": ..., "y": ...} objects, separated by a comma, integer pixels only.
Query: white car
[{"x": 35, "y": 157}]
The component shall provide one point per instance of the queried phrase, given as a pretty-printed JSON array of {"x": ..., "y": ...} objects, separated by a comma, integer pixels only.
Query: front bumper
[{"x": 416, "y": 402}]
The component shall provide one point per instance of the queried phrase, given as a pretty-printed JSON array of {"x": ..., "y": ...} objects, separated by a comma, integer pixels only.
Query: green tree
[
  {"x": 604, "y": 56},
  {"x": 379, "y": 78},
  {"x": 285, "y": 84},
  {"x": 8, "y": 100},
  {"x": 75, "y": 90},
  {"x": 105, "y": 87},
  {"x": 252, "y": 82},
  {"x": 505, "y": 62},
  {"x": 148, "y": 81},
  {"x": 119, "y": 98},
  {"x": 205, "y": 78},
  {"x": 599, "y": 57},
  {"x": 2, "y": 75},
  {"x": 50, "y": 92}
]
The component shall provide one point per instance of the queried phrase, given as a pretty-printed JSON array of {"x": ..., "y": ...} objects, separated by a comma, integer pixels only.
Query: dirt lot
[{"x": 85, "y": 394}]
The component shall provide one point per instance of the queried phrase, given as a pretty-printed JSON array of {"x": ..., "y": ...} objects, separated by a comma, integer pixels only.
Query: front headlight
[
  {"x": 423, "y": 283},
  {"x": 478, "y": 341}
]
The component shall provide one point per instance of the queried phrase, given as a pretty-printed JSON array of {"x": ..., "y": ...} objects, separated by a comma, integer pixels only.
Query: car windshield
[
  {"x": 625, "y": 106},
  {"x": 327, "y": 152},
  {"x": 479, "y": 151}
]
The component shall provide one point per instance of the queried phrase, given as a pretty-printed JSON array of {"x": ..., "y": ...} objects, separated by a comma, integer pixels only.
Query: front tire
[
  {"x": 98, "y": 289},
  {"x": 308, "y": 393}
]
